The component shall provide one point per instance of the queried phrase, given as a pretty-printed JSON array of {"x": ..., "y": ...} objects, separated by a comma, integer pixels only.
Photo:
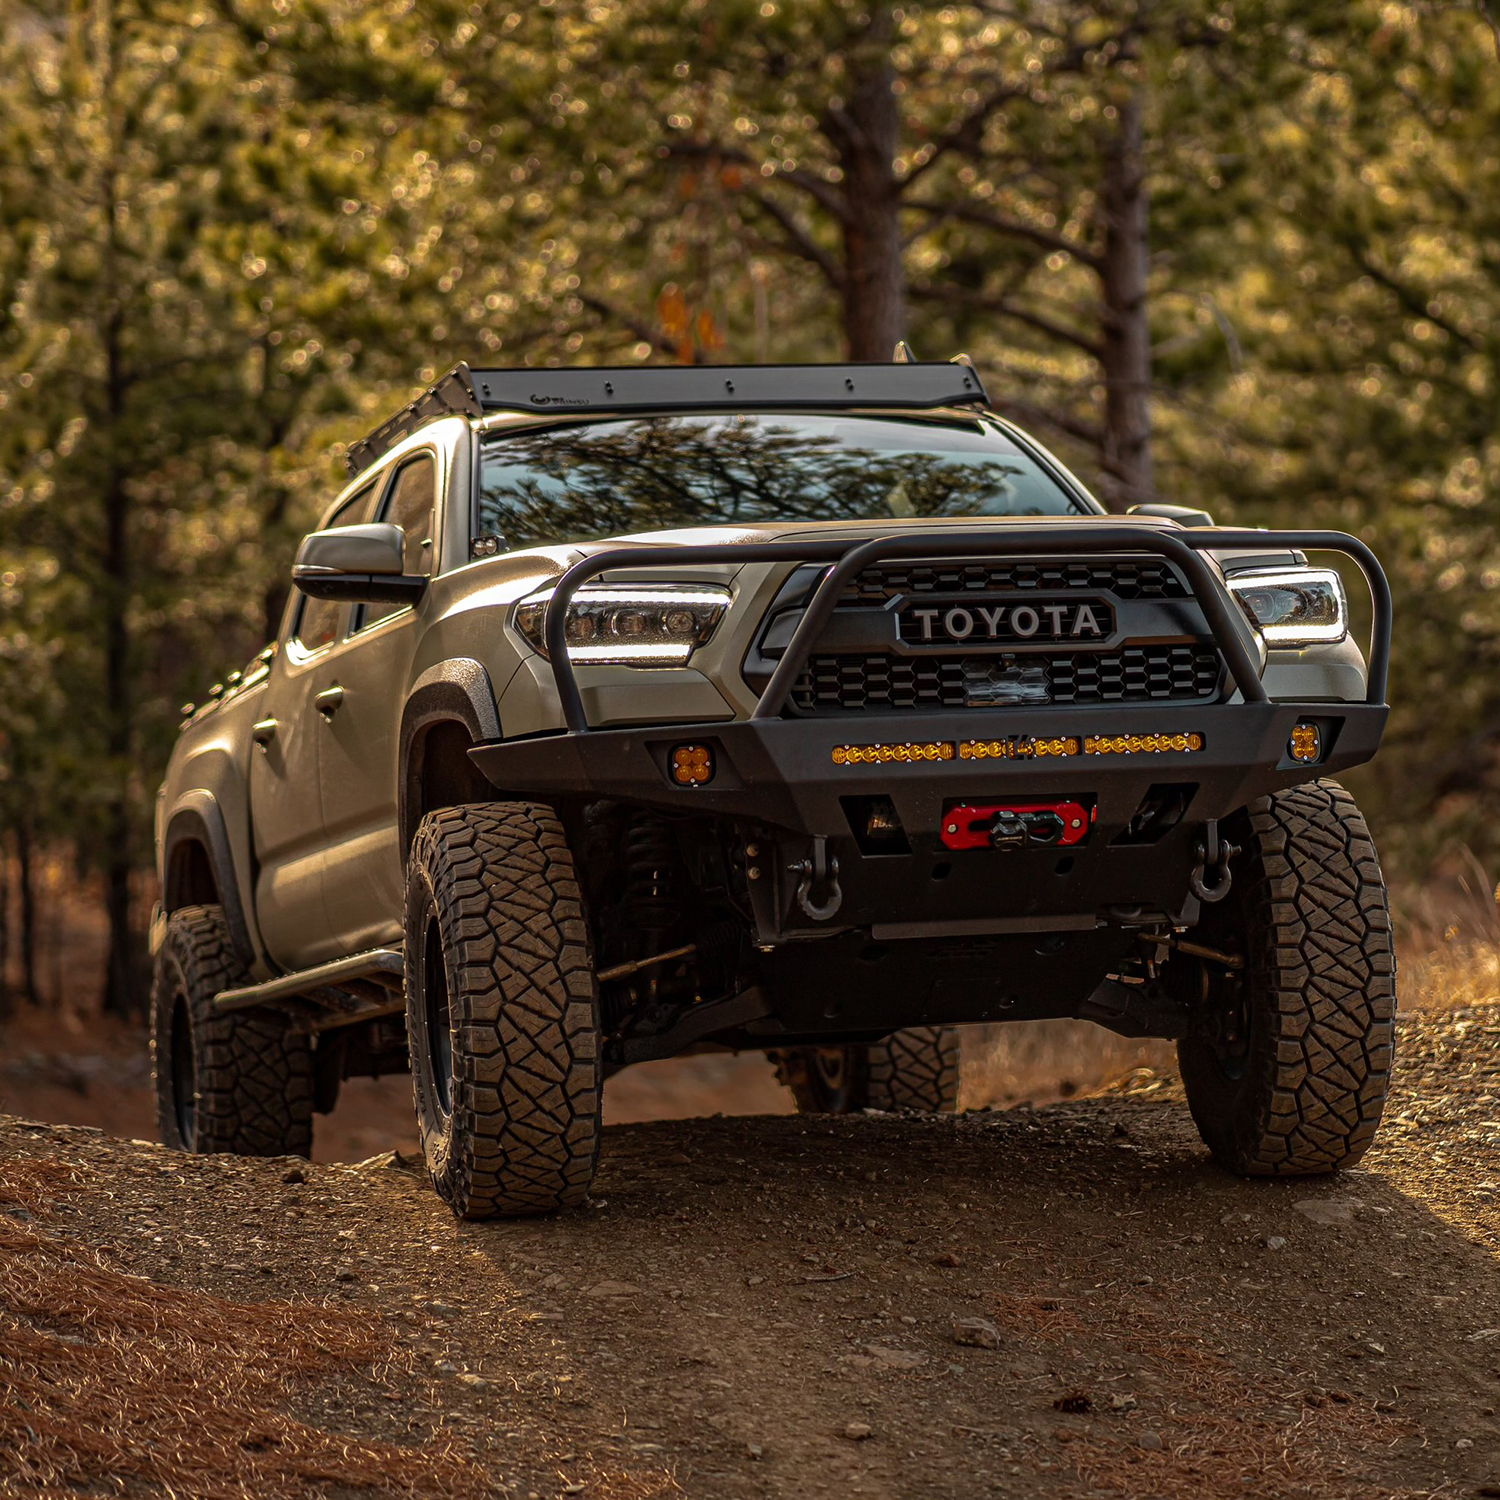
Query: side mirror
[
  {"x": 1184, "y": 515},
  {"x": 362, "y": 564}
]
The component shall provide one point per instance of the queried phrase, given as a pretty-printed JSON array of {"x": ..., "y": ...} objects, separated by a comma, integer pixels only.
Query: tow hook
[
  {"x": 816, "y": 871},
  {"x": 1212, "y": 877}
]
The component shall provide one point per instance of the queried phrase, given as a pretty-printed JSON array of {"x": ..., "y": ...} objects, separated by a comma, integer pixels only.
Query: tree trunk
[
  {"x": 26, "y": 879},
  {"x": 5, "y": 994},
  {"x": 123, "y": 965},
  {"x": 1127, "y": 331},
  {"x": 865, "y": 131}
]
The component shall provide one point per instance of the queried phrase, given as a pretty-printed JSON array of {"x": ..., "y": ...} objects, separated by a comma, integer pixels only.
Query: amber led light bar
[
  {"x": 874, "y": 755},
  {"x": 1141, "y": 744},
  {"x": 1017, "y": 747}
]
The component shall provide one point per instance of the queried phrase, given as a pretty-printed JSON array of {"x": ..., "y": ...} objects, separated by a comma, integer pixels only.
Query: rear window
[{"x": 603, "y": 479}]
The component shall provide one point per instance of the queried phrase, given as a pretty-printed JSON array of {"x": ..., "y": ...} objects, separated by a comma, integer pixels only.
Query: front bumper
[
  {"x": 780, "y": 778},
  {"x": 796, "y": 803}
]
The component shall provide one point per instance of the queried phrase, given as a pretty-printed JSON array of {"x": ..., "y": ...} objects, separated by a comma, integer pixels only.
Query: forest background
[{"x": 1239, "y": 255}]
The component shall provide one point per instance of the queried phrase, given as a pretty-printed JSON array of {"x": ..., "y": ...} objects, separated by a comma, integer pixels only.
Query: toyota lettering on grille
[{"x": 975, "y": 623}]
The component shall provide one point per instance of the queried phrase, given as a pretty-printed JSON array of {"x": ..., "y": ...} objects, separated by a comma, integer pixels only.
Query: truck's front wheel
[
  {"x": 916, "y": 1068},
  {"x": 502, "y": 1011},
  {"x": 1289, "y": 1062},
  {"x": 239, "y": 1081}
]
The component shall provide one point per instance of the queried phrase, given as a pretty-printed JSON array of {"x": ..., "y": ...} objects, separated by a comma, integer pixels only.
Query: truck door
[
  {"x": 286, "y": 804},
  {"x": 359, "y": 766}
]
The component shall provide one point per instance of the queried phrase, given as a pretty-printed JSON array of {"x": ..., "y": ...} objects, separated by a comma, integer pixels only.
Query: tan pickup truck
[{"x": 813, "y": 710}]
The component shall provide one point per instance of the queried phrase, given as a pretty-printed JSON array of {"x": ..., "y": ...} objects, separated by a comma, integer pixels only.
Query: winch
[{"x": 1016, "y": 825}]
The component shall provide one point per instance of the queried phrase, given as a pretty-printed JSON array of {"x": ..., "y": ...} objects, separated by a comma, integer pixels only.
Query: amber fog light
[
  {"x": 692, "y": 765},
  {"x": 1306, "y": 744}
]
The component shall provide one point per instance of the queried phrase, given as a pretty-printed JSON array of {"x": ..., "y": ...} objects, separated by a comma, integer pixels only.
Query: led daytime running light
[
  {"x": 627, "y": 625},
  {"x": 1293, "y": 606}
]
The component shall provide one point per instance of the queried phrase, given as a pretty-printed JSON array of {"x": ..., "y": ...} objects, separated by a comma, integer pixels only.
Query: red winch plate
[{"x": 968, "y": 825}]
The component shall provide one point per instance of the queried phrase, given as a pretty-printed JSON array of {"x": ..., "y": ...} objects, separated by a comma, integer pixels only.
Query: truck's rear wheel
[
  {"x": 502, "y": 1011},
  {"x": 1289, "y": 1063},
  {"x": 915, "y": 1069},
  {"x": 238, "y": 1082}
]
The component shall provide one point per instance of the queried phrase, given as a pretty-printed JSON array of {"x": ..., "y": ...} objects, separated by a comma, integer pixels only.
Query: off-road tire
[
  {"x": 1319, "y": 991},
  {"x": 915, "y": 1069},
  {"x": 496, "y": 928},
  {"x": 251, "y": 1077}
]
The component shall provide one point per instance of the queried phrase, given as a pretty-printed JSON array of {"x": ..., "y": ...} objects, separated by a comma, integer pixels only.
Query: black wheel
[
  {"x": 917, "y": 1069},
  {"x": 238, "y": 1082},
  {"x": 502, "y": 1011},
  {"x": 1289, "y": 1061}
]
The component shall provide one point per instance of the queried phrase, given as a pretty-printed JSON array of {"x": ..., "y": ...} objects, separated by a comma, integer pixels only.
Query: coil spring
[{"x": 652, "y": 887}]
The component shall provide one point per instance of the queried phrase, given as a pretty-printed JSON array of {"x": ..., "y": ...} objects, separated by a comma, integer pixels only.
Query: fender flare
[
  {"x": 458, "y": 689},
  {"x": 198, "y": 819}
]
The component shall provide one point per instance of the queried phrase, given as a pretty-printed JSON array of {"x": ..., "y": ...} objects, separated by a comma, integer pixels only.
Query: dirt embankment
[{"x": 1061, "y": 1302}]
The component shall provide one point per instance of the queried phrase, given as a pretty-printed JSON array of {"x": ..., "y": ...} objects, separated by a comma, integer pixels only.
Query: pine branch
[
  {"x": 797, "y": 240},
  {"x": 1011, "y": 228},
  {"x": 1003, "y": 306}
]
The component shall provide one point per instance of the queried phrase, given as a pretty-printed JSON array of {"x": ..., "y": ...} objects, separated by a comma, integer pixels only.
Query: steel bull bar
[{"x": 850, "y": 558}]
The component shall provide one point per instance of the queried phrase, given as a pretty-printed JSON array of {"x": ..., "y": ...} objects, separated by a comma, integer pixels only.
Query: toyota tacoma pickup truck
[{"x": 813, "y": 710}]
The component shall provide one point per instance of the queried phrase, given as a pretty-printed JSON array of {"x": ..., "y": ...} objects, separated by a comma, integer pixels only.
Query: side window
[
  {"x": 317, "y": 623},
  {"x": 409, "y": 505}
]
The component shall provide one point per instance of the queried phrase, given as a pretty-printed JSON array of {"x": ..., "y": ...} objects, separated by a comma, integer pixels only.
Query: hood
[{"x": 776, "y": 531}]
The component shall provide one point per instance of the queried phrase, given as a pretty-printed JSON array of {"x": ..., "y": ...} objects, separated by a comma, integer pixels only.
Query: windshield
[{"x": 602, "y": 479}]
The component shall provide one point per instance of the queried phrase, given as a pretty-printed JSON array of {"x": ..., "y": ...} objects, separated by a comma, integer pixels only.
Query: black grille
[
  {"x": 885, "y": 684},
  {"x": 1127, "y": 578}
]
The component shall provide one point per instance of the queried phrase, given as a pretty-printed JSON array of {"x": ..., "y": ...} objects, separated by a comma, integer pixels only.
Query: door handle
[
  {"x": 327, "y": 702},
  {"x": 263, "y": 732}
]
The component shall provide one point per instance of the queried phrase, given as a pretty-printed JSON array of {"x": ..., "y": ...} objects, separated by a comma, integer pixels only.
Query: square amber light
[
  {"x": 692, "y": 765},
  {"x": 1306, "y": 744}
]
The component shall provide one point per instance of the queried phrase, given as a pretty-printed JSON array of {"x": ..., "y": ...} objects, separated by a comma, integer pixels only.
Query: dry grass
[
  {"x": 1224, "y": 1431},
  {"x": 112, "y": 1384},
  {"x": 1233, "y": 1434},
  {"x": 1448, "y": 939},
  {"x": 1042, "y": 1061}
]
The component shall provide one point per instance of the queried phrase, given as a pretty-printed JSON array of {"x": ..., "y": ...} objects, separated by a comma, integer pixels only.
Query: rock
[
  {"x": 1327, "y": 1211},
  {"x": 1122, "y": 1402},
  {"x": 441, "y": 1310},
  {"x": 446, "y": 1367},
  {"x": 478, "y": 1382},
  {"x": 947, "y": 1258},
  {"x": 16, "y": 1211},
  {"x": 980, "y": 1333},
  {"x": 1275, "y": 1242},
  {"x": 347, "y": 1275},
  {"x": 294, "y": 1175},
  {"x": 755, "y": 1451},
  {"x": 394, "y": 1161},
  {"x": 1151, "y": 1442},
  {"x": 857, "y": 1432},
  {"x": 895, "y": 1359},
  {"x": 614, "y": 1289}
]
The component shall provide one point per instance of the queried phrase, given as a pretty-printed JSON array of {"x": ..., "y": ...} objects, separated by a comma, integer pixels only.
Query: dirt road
[{"x": 1059, "y": 1302}]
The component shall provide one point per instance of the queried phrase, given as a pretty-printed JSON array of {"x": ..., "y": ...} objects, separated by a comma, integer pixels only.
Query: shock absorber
[{"x": 652, "y": 899}]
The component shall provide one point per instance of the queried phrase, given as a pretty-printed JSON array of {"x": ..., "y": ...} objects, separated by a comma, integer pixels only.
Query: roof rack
[{"x": 463, "y": 392}]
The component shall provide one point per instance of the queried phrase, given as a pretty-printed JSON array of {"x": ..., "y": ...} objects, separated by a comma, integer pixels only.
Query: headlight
[
  {"x": 656, "y": 626},
  {"x": 1293, "y": 606}
]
